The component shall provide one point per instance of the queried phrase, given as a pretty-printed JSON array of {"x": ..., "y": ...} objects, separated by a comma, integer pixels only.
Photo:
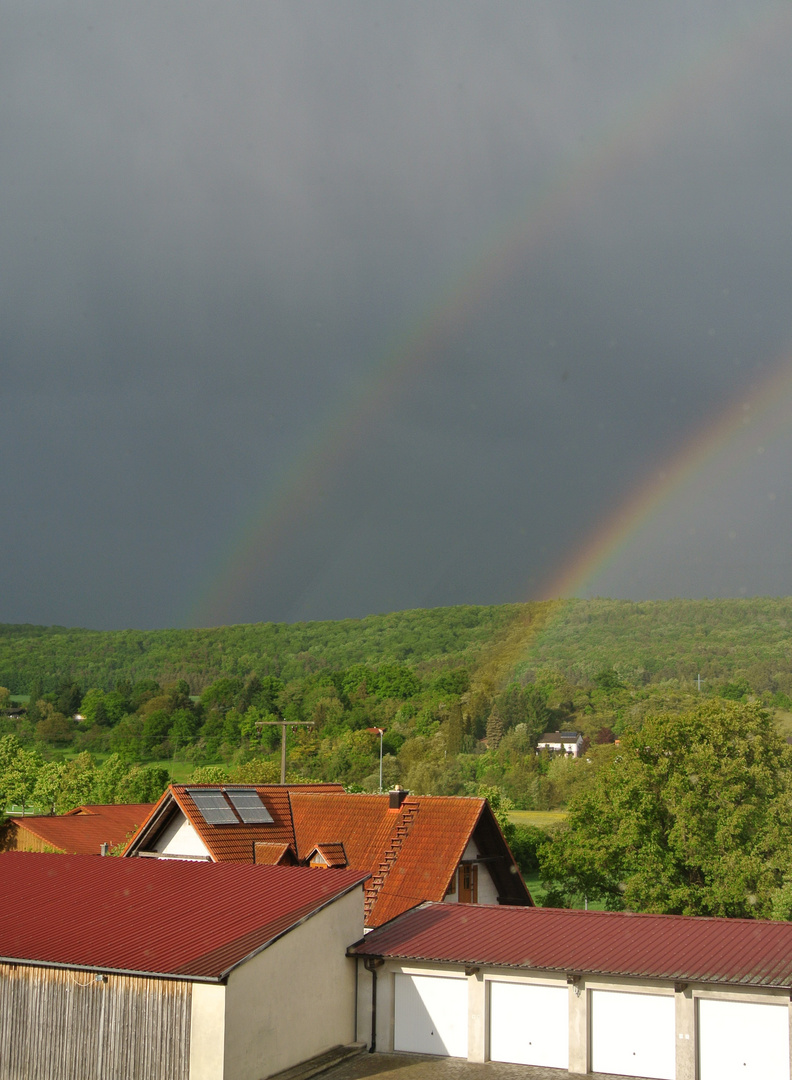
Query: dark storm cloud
[{"x": 216, "y": 219}]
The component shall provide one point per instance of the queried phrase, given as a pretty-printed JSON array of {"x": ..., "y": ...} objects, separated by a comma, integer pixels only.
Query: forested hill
[{"x": 645, "y": 642}]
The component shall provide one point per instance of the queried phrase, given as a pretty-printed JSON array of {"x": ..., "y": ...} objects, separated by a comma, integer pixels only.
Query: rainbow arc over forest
[{"x": 641, "y": 130}]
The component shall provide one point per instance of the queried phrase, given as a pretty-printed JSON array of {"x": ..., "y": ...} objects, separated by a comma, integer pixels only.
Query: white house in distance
[
  {"x": 561, "y": 742},
  {"x": 136, "y": 969},
  {"x": 661, "y": 996}
]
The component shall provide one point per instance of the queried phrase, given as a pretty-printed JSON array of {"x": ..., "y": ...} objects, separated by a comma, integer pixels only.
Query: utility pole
[
  {"x": 378, "y": 731},
  {"x": 283, "y": 724}
]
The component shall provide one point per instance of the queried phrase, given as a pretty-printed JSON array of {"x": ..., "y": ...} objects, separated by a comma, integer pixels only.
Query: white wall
[
  {"x": 685, "y": 997},
  {"x": 179, "y": 838},
  {"x": 296, "y": 998},
  {"x": 207, "y": 1032},
  {"x": 487, "y": 890}
]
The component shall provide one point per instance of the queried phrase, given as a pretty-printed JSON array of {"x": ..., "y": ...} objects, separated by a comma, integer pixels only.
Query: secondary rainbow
[{"x": 639, "y": 130}]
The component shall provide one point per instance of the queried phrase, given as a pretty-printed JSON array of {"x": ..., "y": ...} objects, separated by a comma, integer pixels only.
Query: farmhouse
[
  {"x": 82, "y": 831},
  {"x": 561, "y": 742},
  {"x": 149, "y": 970},
  {"x": 660, "y": 996},
  {"x": 415, "y": 848}
]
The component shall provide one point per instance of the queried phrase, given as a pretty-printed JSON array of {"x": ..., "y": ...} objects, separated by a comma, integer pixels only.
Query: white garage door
[
  {"x": 529, "y": 1024},
  {"x": 430, "y": 1015},
  {"x": 743, "y": 1039},
  {"x": 633, "y": 1034}
]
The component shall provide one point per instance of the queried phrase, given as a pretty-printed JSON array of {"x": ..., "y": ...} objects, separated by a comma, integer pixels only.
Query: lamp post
[{"x": 378, "y": 731}]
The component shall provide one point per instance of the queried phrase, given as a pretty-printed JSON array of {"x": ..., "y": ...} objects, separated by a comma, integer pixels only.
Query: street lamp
[{"x": 378, "y": 731}]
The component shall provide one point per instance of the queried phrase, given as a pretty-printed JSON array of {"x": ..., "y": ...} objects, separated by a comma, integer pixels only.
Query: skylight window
[
  {"x": 249, "y": 806},
  {"x": 212, "y": 806}
]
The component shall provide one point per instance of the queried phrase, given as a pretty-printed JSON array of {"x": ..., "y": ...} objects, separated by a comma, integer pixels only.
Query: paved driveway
[{"x": 425, "y": 1067}]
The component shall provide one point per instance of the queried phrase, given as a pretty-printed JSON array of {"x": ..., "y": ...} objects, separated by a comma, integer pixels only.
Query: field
[{"x": 541, "y": 819}]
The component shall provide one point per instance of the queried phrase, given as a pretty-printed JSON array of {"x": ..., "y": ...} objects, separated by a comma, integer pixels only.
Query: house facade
[
  {"x": 561, "y": 742},
  {"x": 414, "y": 848},
  {"x": 659, "y": 996}
]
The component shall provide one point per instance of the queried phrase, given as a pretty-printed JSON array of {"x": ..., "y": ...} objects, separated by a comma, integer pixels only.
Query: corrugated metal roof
[
  {"x": 186, "y": 919},
  {"x": 82, "y": 831},
  {"x": 671, "y": 947}
]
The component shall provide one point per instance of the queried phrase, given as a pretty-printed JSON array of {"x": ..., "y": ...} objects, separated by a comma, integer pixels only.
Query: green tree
[
  {"x": 76, "y": 782},
  {"x": 107, "y": 779},
  {"x": 691, "y": 815},
  {"x": 494, "y": 729},
  {"x": 142, "y": 784}
]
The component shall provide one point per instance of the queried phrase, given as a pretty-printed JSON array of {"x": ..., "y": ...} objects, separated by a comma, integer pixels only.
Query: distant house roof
[
  {"x": 559, "y": 736},
  {"x": 145, "y": 916},
  {"x": 669, "y": 947},
  {"x": 82, "y": 831},
  {"x": 411, "y": 850}
]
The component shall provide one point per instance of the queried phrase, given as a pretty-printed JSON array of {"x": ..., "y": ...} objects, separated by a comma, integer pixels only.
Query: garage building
[
  {"x": 661, "y": 996},
  {"x": 135, "y": 969}
]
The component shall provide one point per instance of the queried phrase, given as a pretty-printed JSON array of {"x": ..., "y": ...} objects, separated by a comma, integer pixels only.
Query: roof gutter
[
  {"x": 15, "y": 961},
  {"x": 571, "y": 973}
]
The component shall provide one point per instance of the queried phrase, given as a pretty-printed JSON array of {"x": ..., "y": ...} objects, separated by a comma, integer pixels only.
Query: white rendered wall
[
  {"x": 207, "y": 1032},
  {"x": 180, "y": 838},
  {"x": 487, "y": 890},
  {"x": 297, "y": 997}
]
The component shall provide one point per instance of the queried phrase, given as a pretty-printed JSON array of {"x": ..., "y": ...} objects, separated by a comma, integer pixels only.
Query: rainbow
[
  {"x": 748, "y": 426},
  {"x": 637, "y": 131}
]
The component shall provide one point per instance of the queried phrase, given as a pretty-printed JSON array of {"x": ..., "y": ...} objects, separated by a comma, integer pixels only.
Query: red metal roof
[
  {"x": 674, "y": 947},
  {"x": 82, "y": 831},
  {"x": 185, "y": 919}
]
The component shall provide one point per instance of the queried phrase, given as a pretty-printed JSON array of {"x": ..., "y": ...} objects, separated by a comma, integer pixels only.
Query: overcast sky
[{"x": 316, "y": 310}]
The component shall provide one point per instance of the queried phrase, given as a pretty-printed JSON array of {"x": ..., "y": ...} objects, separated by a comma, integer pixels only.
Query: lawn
[{"x": 542, "y": 819}]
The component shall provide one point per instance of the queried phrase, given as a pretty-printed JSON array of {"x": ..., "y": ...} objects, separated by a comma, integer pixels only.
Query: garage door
[
  {"x": 743, "y": 1039},
  {"x": 430, "y": 1015},
  {"x": 633, "y": 1034},
  {"x": 529, "y": 1024}
]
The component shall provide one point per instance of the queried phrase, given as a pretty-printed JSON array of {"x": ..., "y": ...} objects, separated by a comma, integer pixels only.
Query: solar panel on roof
[
  {"x": 212, "y": 806},
  {"x": 249, "y": 806}
]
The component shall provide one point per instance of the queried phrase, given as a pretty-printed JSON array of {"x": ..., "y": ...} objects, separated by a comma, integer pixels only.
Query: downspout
[
  {"x": 371, "y": 963},
  {"x": 357, "y": 980}
]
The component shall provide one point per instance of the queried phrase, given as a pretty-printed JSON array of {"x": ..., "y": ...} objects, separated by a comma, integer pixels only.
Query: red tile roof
[
  {"x": 411, "y": 852},
  {"x": 362, "y": 823},
  {"x": 332, "y": 854},
  {"x": 429, "y": 854},
  {"x": 670, "y": 947},
  {"x": 234, "y": 842},
  {"x": 155, "y": 916},
  {"x": 270, "y": 854},
  {"x": 82, "y": 831}
]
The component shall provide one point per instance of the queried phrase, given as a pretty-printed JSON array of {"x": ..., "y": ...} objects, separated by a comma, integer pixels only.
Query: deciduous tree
[{"x": 692, "y": 816}]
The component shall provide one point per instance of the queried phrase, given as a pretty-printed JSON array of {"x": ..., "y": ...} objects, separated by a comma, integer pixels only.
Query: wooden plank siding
[
  {"x": 15, "y": 837},
  {"x": 67, "y": 1025}
]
